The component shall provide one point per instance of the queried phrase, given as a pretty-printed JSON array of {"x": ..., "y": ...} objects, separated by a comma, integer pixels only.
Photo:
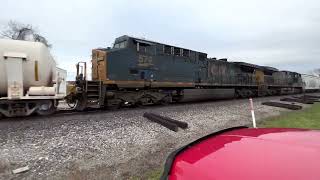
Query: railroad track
[
  {"x": 70, "y": 112},
  {"x": 124, "y": 108}
]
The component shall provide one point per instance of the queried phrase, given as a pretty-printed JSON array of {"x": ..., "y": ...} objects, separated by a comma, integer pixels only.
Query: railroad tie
[
  {"x": 312, "y": 96},
  {"x": 308, "y": 98},
  {"x": 167, "y": 124},
  {"x": 181, "y": 124},
  {"x": 303, "y": 101},
  {"x": 282, "y": 105}
]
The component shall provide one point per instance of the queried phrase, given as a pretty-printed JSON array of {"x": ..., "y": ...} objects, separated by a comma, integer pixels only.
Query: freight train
[
  {"x": 137, "y": 72},
  {"x": 134, "y": 72}
]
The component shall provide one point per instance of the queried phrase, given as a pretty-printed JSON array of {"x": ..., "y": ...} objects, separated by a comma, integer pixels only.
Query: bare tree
[{"x": 25, "y": 32}]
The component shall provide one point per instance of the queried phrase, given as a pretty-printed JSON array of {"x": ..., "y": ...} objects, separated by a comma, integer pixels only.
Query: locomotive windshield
[{"x": 120, "y": 45}]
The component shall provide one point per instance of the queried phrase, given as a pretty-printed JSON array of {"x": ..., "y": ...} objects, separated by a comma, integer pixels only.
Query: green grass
[
  {"x": 308, "y": 118},
  {"x": 152, "y": 175}
]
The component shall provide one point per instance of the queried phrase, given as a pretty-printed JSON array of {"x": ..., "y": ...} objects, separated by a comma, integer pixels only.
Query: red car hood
[{"x": 242, "y": 153}]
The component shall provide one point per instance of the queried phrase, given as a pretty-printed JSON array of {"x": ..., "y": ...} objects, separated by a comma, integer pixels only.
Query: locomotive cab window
[
  {"x": 177, "y": 51},
  {"x": 120, "y": 45},
  {"x": 144, "y": 46},
  {"x": 185, "y": 53},
  {"x": 167, "y": 49},
  {"x": 159, "y": 49},
  {"x": 141, "y": 47},
  {"x": 202, "y": 56}
]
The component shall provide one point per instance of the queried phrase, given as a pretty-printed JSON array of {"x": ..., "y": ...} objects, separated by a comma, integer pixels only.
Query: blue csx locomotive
[{"x": 138, "y": 72}]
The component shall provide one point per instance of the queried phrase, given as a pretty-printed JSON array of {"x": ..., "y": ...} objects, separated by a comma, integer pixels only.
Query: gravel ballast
[{"x": 112, "y": 144}]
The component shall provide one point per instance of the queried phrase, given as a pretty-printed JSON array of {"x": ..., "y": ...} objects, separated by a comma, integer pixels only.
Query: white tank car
[
  {"x": 38, "y": 67},
  {"x": 29, "y": 80},
  {"x": 311, "y": 82}
]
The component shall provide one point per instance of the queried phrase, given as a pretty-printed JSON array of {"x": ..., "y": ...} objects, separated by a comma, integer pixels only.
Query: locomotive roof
[
  {"x": 126, "y": 37},
  {"x": 311, "y": 75},
  {"x": 289, "y": 72},
  {"x": 264, "y": 68},
  {"x": 145, "y": 41},
  {"x": 268, "y": 68},
  {"x": 248, "y": 65}
]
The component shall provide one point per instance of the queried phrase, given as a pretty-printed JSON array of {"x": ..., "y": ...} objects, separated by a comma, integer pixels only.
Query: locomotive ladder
[
  {"x": 94, "y": 93},
  {"x": 91, "y": 94}
]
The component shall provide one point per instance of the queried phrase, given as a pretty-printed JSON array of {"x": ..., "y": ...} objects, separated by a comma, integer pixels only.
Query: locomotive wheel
[
  {"x": 141, "y": 103},
  {"x": 115, "y": 104},
  {"x": 144, "y": 100},
  {"x": 138, "y": 104},
  {"x": 166, "y": 100},
  {"x": 47, "y": 109},
  {"x": 242, "y": 93}
]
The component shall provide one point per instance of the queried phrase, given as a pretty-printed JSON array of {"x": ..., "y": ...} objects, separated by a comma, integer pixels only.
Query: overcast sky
[{"x": 284, "y": 34}]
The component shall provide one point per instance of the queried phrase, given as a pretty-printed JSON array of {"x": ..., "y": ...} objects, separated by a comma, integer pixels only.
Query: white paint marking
[{"x": 252, "y": 114}]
